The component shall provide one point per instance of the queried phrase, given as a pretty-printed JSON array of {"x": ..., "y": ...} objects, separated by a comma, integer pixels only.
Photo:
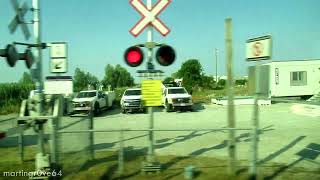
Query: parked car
[
  {"x": 132, "y": 101},
  {"x": 92, "y": 100},
  {"x": 176, "y": 98}
]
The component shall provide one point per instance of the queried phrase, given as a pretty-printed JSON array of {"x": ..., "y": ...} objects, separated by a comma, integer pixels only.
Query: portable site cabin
[{"x": 285, "y": 78}]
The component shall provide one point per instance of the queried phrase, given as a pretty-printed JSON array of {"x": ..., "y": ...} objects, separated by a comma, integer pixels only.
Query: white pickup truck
[
  {"x": 132, "y": 101},
  {"x": 93, "y": 100},
  {"x": 176, "y": 98}
]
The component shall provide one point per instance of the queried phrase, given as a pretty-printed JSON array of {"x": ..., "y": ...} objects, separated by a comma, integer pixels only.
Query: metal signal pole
[
  {"x": 150, "y": 156},
  {"x": 39, "y": 83},
  {"x": 37, "y": 36}
]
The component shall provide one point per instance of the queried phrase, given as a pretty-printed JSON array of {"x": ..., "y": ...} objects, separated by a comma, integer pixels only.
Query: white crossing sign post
[
  {"x": 19, "y": 19},
  {"x": 259, "y": 48},
  {"x": 150, "y": 17},
  {"x": 58, "y": 54}
]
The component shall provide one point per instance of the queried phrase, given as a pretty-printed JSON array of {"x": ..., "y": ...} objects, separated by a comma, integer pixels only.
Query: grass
[
  {"x": 206, "y": 95},
  {"x": 105, "y": 166},
  {"x": 10, "y": 108},
  {"x": 9, "y": 161}
]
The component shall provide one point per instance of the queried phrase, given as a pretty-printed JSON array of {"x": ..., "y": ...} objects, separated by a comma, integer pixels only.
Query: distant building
[
  {"x": 226, "y": 77},
  {"x": 286, "y": 78}
]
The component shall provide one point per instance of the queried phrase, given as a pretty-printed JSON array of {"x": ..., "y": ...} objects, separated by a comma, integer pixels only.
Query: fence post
[
  {"x": 254, "y": 138},
  {"x": 121, "y": 154},
  {"x": 20, "y": 142},
  {"x": 91, "y": 136},
  {"x": 54, "y": 141}
]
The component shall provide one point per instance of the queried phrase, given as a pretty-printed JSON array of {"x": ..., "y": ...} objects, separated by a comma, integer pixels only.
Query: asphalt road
[{"x": 289, "y": 133}]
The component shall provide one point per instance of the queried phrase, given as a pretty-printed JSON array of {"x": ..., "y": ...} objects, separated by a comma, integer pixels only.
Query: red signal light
[
  {"x": 133, "y": 56},
  {"x": 165, "y": 55}
]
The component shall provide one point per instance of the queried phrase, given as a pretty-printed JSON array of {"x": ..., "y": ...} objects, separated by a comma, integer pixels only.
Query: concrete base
[
  {"x": 42, "y": 161},
  {"x": 148, "y": 167},
  {"x": 245, "y": 100}
]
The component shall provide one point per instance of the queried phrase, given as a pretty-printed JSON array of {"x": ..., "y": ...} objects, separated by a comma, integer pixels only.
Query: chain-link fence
[{"x": 74, "y": 150}]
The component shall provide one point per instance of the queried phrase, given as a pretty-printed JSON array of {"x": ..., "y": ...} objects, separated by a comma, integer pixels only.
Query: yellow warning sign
[{"x": 152, "y": 92}]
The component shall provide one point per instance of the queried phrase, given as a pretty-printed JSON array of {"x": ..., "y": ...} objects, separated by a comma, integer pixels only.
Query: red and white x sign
[{"x": 150, "y": 17}]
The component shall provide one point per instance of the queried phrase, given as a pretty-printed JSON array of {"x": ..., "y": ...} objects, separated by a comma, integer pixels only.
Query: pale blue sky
[{"x": 97, "y": 31}]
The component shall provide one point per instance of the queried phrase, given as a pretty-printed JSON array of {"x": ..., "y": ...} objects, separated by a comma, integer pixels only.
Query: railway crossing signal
[
  {"x": 134, "y": 56},
  {"x": 12, "y": 56}
]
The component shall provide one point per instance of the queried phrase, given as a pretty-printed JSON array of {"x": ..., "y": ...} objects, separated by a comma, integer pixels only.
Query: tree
[
  {"x": 168, "y": 80},
  {"x": 207, "y": 82},
  {"x": 117, "y": 77},
  {"x": 109, "y": 76},
  {"x": 81, "y": 80},
  {"x": 191, "y": 72},
  {"x": 26, "y": 79},
  {"x": 92, "y": 80}
]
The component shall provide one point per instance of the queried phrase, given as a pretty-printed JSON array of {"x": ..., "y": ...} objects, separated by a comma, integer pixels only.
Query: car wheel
[
  {"x": 96, "y": 109},
  {"x": 144, "y": 110},
  {"x": 123, "y": 111},
  {"x": 168, "y": 107},
  {"x": 190, "y": 108}
]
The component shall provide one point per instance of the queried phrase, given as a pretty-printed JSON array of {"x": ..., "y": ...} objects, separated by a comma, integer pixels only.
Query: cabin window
[{"x": 298, "y": 78}]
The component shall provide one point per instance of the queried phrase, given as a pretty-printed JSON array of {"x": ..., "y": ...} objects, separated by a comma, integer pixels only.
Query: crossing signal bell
[
  {"x": 165, "y": 55},
  {"x": 12, "y": 56}
]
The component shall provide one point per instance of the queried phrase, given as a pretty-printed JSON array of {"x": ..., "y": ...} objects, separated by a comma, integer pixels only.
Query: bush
[
  {"x": 222, "y": 83},
  {"x": 241, "y": 82},
  {"x": 119, "y": 92}
]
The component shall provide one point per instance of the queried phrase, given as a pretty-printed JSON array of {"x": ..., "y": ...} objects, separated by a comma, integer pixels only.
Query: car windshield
[
  {"x": 86, "y": 94},
  {"x": 177, "y": 91},
  {"x": 132, "y": 92}
]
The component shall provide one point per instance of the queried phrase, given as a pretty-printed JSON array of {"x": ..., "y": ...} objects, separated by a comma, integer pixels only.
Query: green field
[{"x": 12, "y": 95}]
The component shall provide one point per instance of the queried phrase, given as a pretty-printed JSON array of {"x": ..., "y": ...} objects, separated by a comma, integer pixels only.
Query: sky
[{"x": 97, "y": 32}]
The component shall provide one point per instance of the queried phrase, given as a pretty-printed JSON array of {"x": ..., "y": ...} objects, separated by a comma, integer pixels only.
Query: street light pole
[{"x": 216, "y": 53}]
